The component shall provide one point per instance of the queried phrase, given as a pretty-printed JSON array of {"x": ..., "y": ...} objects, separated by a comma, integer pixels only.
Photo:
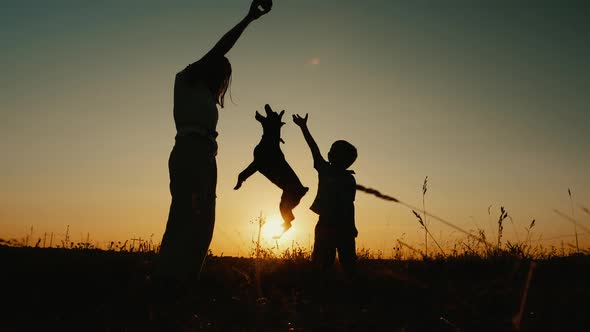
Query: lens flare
[{"x": 313, "y": 61}]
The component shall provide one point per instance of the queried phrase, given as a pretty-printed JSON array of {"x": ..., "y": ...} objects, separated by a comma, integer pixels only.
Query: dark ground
[{"x": 93, "y": 290}]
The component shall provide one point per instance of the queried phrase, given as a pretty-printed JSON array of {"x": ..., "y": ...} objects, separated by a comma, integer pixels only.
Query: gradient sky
[{"x": 489, "y": 99}]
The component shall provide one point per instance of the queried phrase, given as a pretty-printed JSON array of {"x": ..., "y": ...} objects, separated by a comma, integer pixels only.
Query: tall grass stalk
[
  {"x": 503, "y": 215},
  {"x": 257, "y": 267},
  {"x": 424, "y": 190},
  {"x": 378, "y": 194},
  {"x": 569, "y": 192},
  {"x": 528, "y": 232},
  {"x": 67, "y": 238},
  {"x": 427, "y": 232},
  {"x": 412, "y": 249},
  {"x": 261, "y": 222},
  {"x": 490, "y": 223}
]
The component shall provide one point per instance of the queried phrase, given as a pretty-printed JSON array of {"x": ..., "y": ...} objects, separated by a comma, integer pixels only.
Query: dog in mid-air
[{"x": 270, "y": 161}]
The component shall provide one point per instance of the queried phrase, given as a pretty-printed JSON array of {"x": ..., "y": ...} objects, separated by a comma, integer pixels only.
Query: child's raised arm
[{"x": 315, "y": 150}]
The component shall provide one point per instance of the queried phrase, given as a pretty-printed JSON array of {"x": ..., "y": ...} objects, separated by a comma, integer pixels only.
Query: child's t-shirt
[{"x": 334, "y": 201}]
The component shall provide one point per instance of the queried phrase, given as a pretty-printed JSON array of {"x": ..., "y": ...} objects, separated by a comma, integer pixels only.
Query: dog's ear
[
  {"x": 259, "y": 117},
  {"x": 268, "y": 109},
  {"x": 281, "y": 117}
]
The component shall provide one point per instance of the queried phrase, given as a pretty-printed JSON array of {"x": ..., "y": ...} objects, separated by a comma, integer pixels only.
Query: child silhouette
[{"x": 334, "y": 202}]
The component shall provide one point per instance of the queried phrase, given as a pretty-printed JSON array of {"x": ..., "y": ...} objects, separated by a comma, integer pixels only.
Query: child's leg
[
  {"x": 324, "y": 250},
  {"x": 347, "y": 254}
]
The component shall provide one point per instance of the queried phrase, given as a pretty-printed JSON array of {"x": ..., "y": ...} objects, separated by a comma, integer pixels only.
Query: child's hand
[{"x": 301, "y": 122}]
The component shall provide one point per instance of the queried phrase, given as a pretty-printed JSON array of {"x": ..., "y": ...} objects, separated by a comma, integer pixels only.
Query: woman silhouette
[{"x": 198, "y": 89}]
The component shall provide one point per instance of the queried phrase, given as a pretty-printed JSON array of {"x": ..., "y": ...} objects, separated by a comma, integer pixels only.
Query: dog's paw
[
  {"x": 286, "y": 227},
  {"x": 238, "y": 186}
]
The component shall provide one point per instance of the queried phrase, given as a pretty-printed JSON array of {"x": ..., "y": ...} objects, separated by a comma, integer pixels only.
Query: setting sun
[{"x": 272, "y": 229}]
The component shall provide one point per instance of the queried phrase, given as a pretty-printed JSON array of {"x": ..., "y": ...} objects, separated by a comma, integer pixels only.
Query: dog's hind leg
[
  {"x": 289, "y": 200},
  {"x": 245, "y": 174}
]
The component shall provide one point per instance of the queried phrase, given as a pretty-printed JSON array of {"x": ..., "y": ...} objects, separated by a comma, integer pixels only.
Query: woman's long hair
[{"x": 218, "y": 79}]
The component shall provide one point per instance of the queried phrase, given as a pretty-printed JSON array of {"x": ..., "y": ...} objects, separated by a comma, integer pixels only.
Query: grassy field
[{"x": 47, "y": 289}]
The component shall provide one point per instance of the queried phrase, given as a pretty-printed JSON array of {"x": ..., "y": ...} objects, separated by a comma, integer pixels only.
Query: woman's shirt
[{"x": 195, "y": 109}]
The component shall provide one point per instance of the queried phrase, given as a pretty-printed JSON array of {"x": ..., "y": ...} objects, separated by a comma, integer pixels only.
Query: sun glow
[{"x": 273, "y": 228}]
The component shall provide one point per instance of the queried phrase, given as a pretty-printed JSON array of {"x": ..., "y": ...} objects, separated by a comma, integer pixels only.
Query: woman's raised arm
[{"x": 258, "y": 8}]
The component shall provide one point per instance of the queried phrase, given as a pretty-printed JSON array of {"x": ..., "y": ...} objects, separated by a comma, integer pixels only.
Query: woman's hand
[
  {"x": 301, "y": 122},
  {"x": 259, "y": 8}
]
